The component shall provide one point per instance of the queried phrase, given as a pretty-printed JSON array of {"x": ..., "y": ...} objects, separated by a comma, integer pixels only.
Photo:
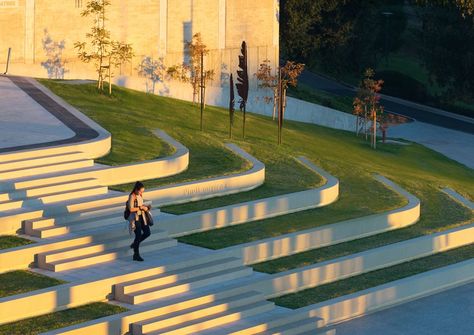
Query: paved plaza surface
[
  {"x": 23, "y": 121},
  {"x": 447, "y": 313}
]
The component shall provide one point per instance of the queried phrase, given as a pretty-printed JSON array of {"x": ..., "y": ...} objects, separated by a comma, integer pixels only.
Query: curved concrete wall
[
  {"x": 396, "y": 292},
  {"x": 289, "y": 244},
  {"x": 340, "y": 268},
  {"x": 255, "y": 210}
]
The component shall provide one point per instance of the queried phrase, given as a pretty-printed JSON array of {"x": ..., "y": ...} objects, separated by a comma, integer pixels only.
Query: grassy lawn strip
[
  {"x": 21, "y": 281},
  {"x": 374, "y": 278},
  {"x": 10, "y": 241},
  {"x": 439, "y": 212},
  {"x": 349, "y": 158},
  {"x": 60, "y": 319},
  {"x": 351, "y": 204}
]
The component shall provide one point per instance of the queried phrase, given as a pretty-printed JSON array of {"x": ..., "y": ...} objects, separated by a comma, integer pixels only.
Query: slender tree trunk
[
  {"x": 202, "y": 87},
  {"x": 275, "y": 102}
]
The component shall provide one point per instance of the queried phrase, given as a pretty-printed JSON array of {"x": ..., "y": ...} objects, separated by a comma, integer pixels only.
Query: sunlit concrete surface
[
  {"x": 450, "y": 312},
  {"x": 454, "y": 144},
  {"x": 23, "y": 121}
]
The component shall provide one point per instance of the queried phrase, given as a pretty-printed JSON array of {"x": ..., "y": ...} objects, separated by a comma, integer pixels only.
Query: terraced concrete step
[
  {"x": 52, "y": 198},
  {"x": 310, "y": 324},
  {"x": 196, "y": 312},
  {"x": 215, "y": 320},
  {"x": 43, "y": 169},
  {"x": 49, "y": 189},
  {"x": 175, "y": 276},
  {"x": 108, "y": 255},
  {"x": 48, "y": 178},
  {"x": 325, "y": 331},
  {"x": 10, "y": 205},
  {"x": 101, "y": 245},
  {"x": 42, "y": 160},
  {"x": 269, "y": 324},
  {"x": 183, "y": 286},
  {"x": 53, "y": 230}
]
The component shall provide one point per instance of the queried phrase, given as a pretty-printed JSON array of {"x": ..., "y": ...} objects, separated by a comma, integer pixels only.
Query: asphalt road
[{"x": 324, "y": 84}]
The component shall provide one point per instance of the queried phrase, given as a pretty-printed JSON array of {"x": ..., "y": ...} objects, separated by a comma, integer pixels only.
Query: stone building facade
[{"x": 155, "y": 28}]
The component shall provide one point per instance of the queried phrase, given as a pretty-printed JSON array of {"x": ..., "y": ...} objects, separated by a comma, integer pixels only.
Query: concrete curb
[
  {"x": 255, "y": 210},
  {"x": 289, "y": 244}
]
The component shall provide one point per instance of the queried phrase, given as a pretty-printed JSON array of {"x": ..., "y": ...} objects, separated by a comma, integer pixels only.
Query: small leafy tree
[
  {"x": 367, "y": 106},
  {"x": 192, "y": 71},
  {"x": 55, "y": 65},
  {"x": 268, "y": 80},
  {"x": 104, "y": 52},
  {"x": 153, "y": 70},
  {"x": 279, "y": 83},
  {"x": 288, "y": 76},
  {"x": 243, "y": 83}
]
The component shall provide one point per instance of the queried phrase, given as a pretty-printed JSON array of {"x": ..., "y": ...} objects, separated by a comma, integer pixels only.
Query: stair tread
[
  {"x": 243, "y": 295},
  {"x": 178, "y": 271},
  {"x": 55, "y": 174},
  {"x": 188, "y": 281},
  {"x": 231, "y": 311},
  {"x": 46, "y": 165},
  {"x": 42, "y": 157},
  {"x": 106, "y": 252}
]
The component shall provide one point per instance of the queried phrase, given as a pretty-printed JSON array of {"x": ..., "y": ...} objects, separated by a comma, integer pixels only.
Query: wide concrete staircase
[{"x": 112, "y": 243}]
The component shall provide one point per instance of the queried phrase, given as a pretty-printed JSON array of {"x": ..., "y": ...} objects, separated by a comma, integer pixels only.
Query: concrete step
[
  {"x": 107, "y": 255},
  {"x": 309, "y": 324},
  {"x": 32, "y": 225},
  {"x": 48, "y": 178},
  {"x": 196, "y": 312},
  {"x": 10, "y": 205},
  {"x": 324, "y": 331},
  {"x": 43, "y": 169},
  {"x": 215, "y": 320},
  {"x": 170, "y": 277},
  {"x": 268, "y": 324},
  {"x": 52, "y": 198},
  {"x": 183, "y": 286},
  {"x": 103, "y": 244},
  {"x": 48, "y": 189},
  {"x": 52, "y": 230},
  {"x": 40, "y": 161}
]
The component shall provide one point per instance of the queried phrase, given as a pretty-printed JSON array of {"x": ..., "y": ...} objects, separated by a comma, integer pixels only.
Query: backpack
[{"x": 126, "y": 212}]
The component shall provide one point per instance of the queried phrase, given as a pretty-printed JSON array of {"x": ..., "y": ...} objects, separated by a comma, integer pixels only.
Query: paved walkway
[
  {"x": 29, "y": 118},
  {"x": 450, "y": 312},
  {"x": 456, "y": 145},
  {"x": 23, "y": 121}
]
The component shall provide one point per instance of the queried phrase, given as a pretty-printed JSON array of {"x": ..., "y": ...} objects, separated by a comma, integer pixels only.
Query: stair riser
[
  {"x": 30, "y": 163},
  {"x": 264, "y": 327},
  {"x": 32, "y": 225},
  {"x": 99, "y": 247},
  {"x": 11, "y": 205},
  {"x": 221, "y": 321},
  {"x": 298, "y": 329},
  {"x": 46, "y": 169},
  {"x": 70, "y": 228},
  {"x": 65, "y": 187},
  {"x": 128, "y": 289},
  {"x": 71, "y": 195},
  {"x": 108, "y": 257},
  {"x": 144, "y": 328},
  {"x": 168, "y": 292}
]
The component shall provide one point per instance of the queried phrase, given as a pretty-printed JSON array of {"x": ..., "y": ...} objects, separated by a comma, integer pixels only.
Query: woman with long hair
[{"x": 138, "y": 219}]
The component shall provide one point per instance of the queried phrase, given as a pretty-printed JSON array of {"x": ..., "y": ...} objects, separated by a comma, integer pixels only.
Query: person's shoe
[{"x": 137, "y": 257}]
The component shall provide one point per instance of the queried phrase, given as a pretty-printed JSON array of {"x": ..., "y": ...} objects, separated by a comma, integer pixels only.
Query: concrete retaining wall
[
  {"x": 285, "y": 245},
  {"x": 340, "y": 268},
  {"x": 255, "y": 210},
  {"x": 390, "y": 294}
]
